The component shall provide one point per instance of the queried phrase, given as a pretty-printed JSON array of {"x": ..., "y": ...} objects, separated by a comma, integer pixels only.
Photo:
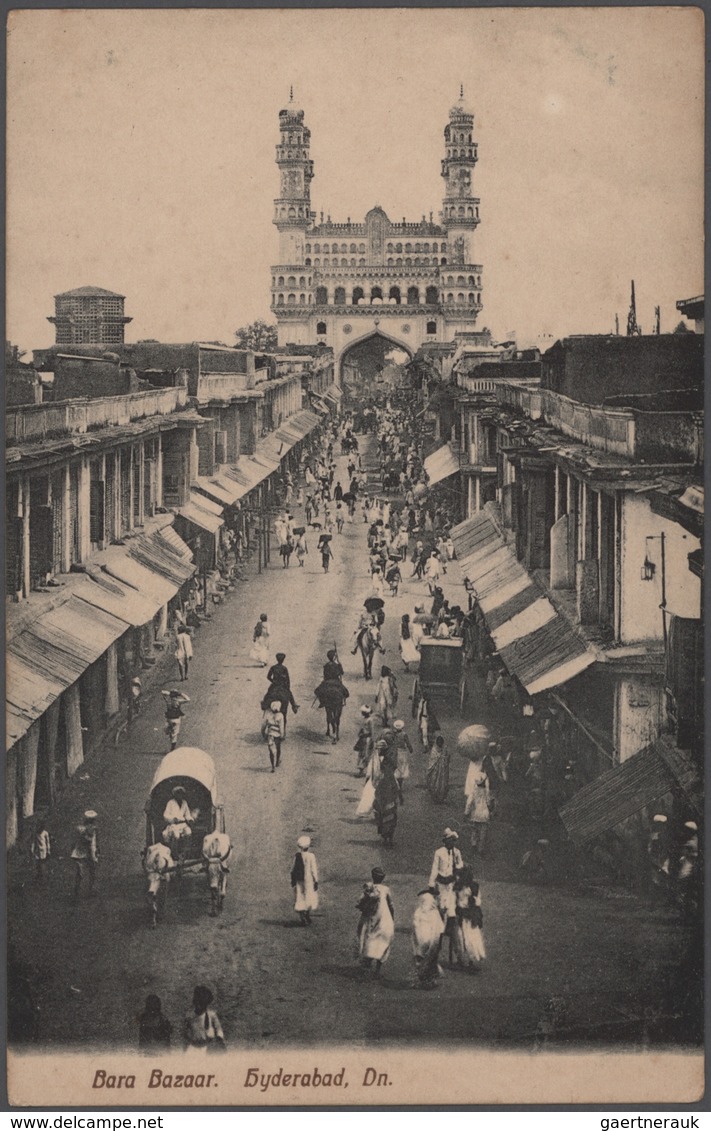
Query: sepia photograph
[{"x": 354, "y": 501}]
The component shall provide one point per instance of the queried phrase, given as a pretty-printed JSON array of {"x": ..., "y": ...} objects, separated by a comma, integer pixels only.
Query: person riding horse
[{"x": 280, "y": 688}]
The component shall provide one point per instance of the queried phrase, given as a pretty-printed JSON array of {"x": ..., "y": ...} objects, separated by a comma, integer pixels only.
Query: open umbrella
[
  {"x": 349, "y": 497},
  {"x": 372, "y": 604},
  {"x": 473, "y": 742},
  {"x": 299, "y": 530}
]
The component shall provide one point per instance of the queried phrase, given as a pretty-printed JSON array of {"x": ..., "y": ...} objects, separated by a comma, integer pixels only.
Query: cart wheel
[
  {"x": 462, "y": 695},
  {"x": 415, "y": 697}
]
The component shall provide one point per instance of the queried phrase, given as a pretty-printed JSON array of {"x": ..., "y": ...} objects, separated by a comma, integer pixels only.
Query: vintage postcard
[{"x": 354, "y": 528}]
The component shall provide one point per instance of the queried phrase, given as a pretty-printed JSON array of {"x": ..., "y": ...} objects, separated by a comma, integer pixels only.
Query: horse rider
[
  {"x": 280, "y": 687},
  {"x": 366, "y": 621},
  {"x": 333, "y": 668},
  {"x": 216, "y": 851}
]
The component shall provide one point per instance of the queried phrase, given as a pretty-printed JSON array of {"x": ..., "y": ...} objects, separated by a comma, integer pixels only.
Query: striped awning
[
  {"x": 441, "y": 464},
  {"x": 624, "y": 790},
  {"x": 534, "y": 640}
]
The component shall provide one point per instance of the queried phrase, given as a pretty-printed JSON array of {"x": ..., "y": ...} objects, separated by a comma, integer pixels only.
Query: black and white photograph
[{"x": 354, "y": 500}]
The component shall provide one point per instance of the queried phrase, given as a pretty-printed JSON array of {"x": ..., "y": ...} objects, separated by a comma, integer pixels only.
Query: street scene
[{"x": 355, "y": 666}]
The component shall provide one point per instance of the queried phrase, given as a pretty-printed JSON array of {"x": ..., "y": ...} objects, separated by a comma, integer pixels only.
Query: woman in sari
[
  {"x": 376, "y": 927},
  {"x": 385, "y": 803},
  {"x": 372, "y": 777},
  {"x": 386, "y": 695},
  {"x": 437, "y": 773},
  {"x": 408, "y": 648},
  {"x": 427, "y": 928},
  {"x": 260, "y": 638},
  {"x": 468, "y": 937}
]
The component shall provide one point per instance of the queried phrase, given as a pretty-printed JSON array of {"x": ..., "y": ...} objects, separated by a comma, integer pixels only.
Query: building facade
[
  {"x": 345, "y": 283},
  {"x": 89, "y": 316}
]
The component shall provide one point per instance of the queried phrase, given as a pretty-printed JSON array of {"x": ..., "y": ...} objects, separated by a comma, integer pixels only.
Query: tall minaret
[
  {"x": 460, "y": 210},
  {"x": 292, "y": 209}
]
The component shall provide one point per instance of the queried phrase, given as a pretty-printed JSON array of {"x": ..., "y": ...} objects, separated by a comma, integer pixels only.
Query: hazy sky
[{"x": 141, "y": 155}]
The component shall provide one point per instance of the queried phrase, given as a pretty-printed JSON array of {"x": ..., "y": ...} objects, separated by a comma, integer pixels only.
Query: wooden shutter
[{"x": 97, "y": 510}]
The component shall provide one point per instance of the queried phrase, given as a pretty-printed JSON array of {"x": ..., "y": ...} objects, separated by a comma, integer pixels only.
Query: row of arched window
[
  {"x": 290, "y": 281},
  {"x": 396, "y": 296},
  {"x": 453, "y": 152},
  {"x": 335, "y": 248},
  {"x": 469, "y": 212},
  {"x": 462, "y": 299},
  {"x": 409, "y": 247},
  {"x": 460, "y": 281}
]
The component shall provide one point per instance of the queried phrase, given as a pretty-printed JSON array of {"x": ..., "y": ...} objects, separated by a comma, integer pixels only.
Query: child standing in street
[
  {"x": 273, "y": 732},
  {"x": 41, "y": 850}
]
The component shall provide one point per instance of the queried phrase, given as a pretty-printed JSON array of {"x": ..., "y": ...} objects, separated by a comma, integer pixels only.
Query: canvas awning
[
  {"x": 441, "y": 463},
  {"x": 624, "y": 790},
  {"x": 123, "y": 589},
  {"x": 218, "y": 487},
  {"x": 50, "y": 655},
  {"x": 252, "y": 470},
  {"x": 202, "y": 516},
  {"x": 535, "y": 642}
]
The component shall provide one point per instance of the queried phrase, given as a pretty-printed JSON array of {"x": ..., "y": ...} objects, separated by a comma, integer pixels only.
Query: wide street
[{"x": 275, "y": 981}]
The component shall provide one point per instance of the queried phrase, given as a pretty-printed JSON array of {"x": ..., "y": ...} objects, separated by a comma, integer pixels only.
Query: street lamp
[{"x": 648, "y": 571}]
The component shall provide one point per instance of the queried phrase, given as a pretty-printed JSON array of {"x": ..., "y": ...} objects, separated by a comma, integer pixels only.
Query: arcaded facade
[{"x": 342, "y": 283}]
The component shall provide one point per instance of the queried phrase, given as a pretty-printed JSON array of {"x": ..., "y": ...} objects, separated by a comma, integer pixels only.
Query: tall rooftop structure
[
  {"x": 346, "y": 284},
  {"x": 89, "y": 316}
]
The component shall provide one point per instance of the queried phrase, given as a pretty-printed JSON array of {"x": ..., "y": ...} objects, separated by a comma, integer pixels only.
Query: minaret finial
[
  {"x": 291, "y": 94},
  {"x": 461, "y": 90}
]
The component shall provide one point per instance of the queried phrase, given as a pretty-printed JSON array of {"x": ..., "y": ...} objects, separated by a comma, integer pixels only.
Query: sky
[{"x": 141, "y": 155}]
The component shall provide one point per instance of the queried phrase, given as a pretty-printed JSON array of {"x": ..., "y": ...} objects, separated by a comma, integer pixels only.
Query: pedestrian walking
[
  {"x": 437, "y": 772},
  {"x": 154, "y": 1028},
  {"x": 385, "y": 803},
  {"x": 273, "y": 732},
  {"x": 216, "y": 851},
  {"x": 427, "y": 722},
  {"x": 445, "y": 864},
  {"x": 174, "y": 714},
  {"x": 158, "y": 864},
  {"x": 85, "y": 852},
  {"x": 376, "y": 927},
  {"x": 469, "y": 947},
  {"x": 408, "y": 648},
  {"x": 302, "y": 548},
  {"x": 340, "y": 518},
  {"x": 183, "y": 650},
  {"x": 372, "y": 777},
  {"x": 477, "y": 792},
  {"x": 324, "y": 548},
  {"x": 364, "y": 743},
  {"x": 304, "y": 880},
  {"x": 41, "y": 851},
  {"x": 427, "y": 928},
  {"x": 386, "y": 695},
  {"x": 202, "y": 1029},
  {"x": 403, "y": 752},
  {"x": 286, "y": 549},
  {"x": 260, "y": 641},
  {"x": 179, "y": 819}
]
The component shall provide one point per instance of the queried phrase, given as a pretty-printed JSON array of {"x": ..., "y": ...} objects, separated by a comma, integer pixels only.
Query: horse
[
  {"x": 281, "y": 694},
  {"x": 370, "y": 643},
  {"x": 331, "y": 695}
]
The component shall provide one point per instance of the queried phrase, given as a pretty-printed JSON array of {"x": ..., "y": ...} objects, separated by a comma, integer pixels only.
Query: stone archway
[{"x": 361, "y": 362}]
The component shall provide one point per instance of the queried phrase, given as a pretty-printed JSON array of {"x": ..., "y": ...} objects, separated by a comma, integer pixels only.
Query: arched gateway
[
  {"x": 408, "y": 283},
  {"x": 362, "y": 363}
]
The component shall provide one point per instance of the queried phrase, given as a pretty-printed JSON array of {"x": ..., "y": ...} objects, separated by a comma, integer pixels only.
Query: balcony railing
[
  {"x": 221, "y": 386},
  {"x": 28, "y": 423},
  {"x": 520, "y": 397}
]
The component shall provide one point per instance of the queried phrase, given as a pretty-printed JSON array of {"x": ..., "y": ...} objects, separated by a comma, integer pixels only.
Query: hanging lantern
[{"x": 648, "y": 570}]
